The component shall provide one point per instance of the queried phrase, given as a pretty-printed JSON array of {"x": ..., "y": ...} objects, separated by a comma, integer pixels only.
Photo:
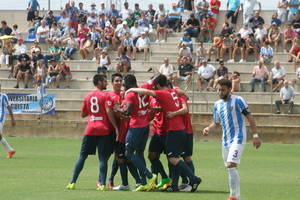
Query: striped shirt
[
  {"x": 229, "y": 115},
  {"x": 3, "y": 107}
]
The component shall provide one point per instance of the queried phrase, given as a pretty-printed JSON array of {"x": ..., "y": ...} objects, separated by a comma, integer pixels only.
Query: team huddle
[{"x": 119, "y": 122}]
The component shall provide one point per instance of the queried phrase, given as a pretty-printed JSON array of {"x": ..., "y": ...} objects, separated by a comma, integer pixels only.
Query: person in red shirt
[
  {"x": 208, "y": 26},
  {"x": 137, "y": 135},
  {"x": 215, "y": 7},
  {"x": 97, "y": 135},
  {"x": 176, "y": 136}
]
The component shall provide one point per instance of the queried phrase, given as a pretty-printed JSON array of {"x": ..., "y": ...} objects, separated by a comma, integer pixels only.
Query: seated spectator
[
  {"x": 104, "y": 62},
  {"x": 123, "y": 63},
  {"x": 187, "y": 40},
  {"x": 87, "y": 47},
  {"x": 216, "y": 47},
  {"x": 252, "y": 46},
  {"x": 63, "y": 21},
  {"x": 161, "y": 11},
  {"x": 287, "y": 96},
  {"x": 144, "y": 23},
  {"x": 192, "y": 26},
  {"x": 151, "y": 13},
  {"x": 55, "y": 34},
  {"x": 50, "y": 19},
  {"x": 52, "y": 74},
  {"x": 137, "y": 11},
  {"x": 7, "y": 51},
  {"x": 18, "y": 49},
  {"x": 226, "y": 29},
  {"x": 296, "y": 21},
  {"x": 119, "y": 34},
  {"x": 208, "y": 26},
  {"x": 282, "y": 10},
  {"x": 83, "y": 32},
  {"x": 201, "y": 10},
  {"x": 167, "y": 69},
  {"x": 227, "y": 46},
  {"x": 201, "y": 54},
  {"x": 101, "y": 22},
  {"x": 40, "y": 72},
  {"x": 92, "y": 19},
  {"x": 42, "y": 32},
  {"x": 274, "y": 35},
  {"x": 185, "y": 71},
  {"x": 35, "y": 22},
  {"x": 266, "y": 52},
  {"x": 16, "y": 33},
  {"x": 206, "y": 73},
  {"x": 65, "y": 74},
  {"x": 142, "y": 44},
  {"x": 288, "y": 35},
  {"x": 127, "y": 46},
  {"x": 277, "y": 75},
  {"x": 55, "y": 52},
  {"x": 174, "y": 17},
  {"x": 222, "y": 72},
  {"x": 36, "y": 56},
  {"x": 23, "y": 71},
  {"x": 135, "y": 32},
  {"x": 261, "y": 33},
  {"x": 35, "y": 46},
  {"x": 108, "y": 31},
  {"x": 239, "y": 44},
  {"x": 99, "y": 45},
  {"x": 260, "y": 74},
  {"x": 69, "y": 29},
  {"x": 5, "y": 30},
  {"x": 255, "y": 20},
  {"x": 236, "y": 82},
  {"x": 184, "y": 51},
  {"x": 113, "y": 12},
  {"x": 245, "y": 31},
  {"x": 161, "y": 29},
  {"x": 71, "y": 46},
  {"x": 130, "y": 21},
  {"x": 215, "y": 7},
  {"x": 275, "y": 20}
]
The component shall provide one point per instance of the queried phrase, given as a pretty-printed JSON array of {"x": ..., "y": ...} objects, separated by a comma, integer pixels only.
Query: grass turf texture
[{"x": 42, "y": 168}]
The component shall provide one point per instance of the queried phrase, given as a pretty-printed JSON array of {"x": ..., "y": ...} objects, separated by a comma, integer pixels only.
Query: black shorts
[
  {"x": 30, "y": 15},
  {"x": 157, "y": 143},
  {"x": 188, "y": 146},
  {"x": 175, "y": 141},
  {"x": 136, "y": 138},
  {"x": 229, "y": 14},
  {"x": 275, "y": 81},
  {"x": 104, "y": 144},
  {"x": 120, "y": 149}
]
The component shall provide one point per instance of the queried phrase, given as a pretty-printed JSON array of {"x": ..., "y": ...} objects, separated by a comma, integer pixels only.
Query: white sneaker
[
  {"x": 156, "y": 41},
  {"x": 121, "y": 187},
  {"x": 242, "y": 60},
  {"x": 163, "y": 41},
  {"x": 185, "y": 188},
  {"x": 231, "y": 61}
]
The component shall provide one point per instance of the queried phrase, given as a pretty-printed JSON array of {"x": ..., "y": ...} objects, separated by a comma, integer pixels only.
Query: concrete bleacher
[{"x": 273, "y": 127}]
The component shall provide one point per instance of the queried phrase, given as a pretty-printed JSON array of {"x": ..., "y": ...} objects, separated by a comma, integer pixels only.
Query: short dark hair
[
  {"x": 237, "y": 73},
  {"x": 113, "y": 76},
  {"x": 97, "y": 78},
  {"x": 3, "y": 22},
  {"x": 225, "y": 82},
  {"x": 169, "y": 83},
  {"x": 161, "y": 80},
  {"x": 130, "y": 81}
]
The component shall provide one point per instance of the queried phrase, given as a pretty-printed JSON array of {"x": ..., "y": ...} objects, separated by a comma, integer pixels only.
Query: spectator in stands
[
  {"x": 35, "y": 46},
  {"x": 7, "y": 51},
  {"x": 137, "y": 11},
  {"x": 296, "y": 21},
  {"x": 50, "y": 19},
  {"x": 295, "y": 51},
  {"x": 82, "y": 34},
  {"x": 216, "y": 47},
  {"x": 100, "y": 44},
  {"x": 266, "y": 52},
  {"x": 93, "y": 8},
  {"x": 255, "y": 20},
  {"x": 260, "y": 74},
  {"x": 245, "y": 30},
  {"x": 33, "y": 5},
  {"x": 40, "y": 72},
  {"x": 119, "y": 34},
  {"x": 103, "y": 10},
  {"x": 275, "y": 19},
  {"x": 184, "y": 51},
  {"x": 113, "y": 12},
  {"x": 201, "y": 54},
  {"x": 233, "y": 7},
  {"x": 123, "y": 63},
  {"x": 201, "y": 10},
  {"x": 69, "y": 29},
  {"x": 252, "y": 46},
  {"x": 108, "y": 31},
  {"x": 161, "y": 11},
  {"x": 206, "y": 74},
  {"x": 239, "y": 44},
  {"x": 227, "y": 46},
  {"x": 126, "y": 45},
  {"x": 174, "y": 17},
  {"x": 187, "y": 40},
  {"x": 150, "y": 13},
  {"x": 35, "y": 22},
  {"x": 92, "y": 19},
  {"x": 222, "y": 72},
  {"x": 248, "y": 8},
  {"x": 277, "y": 75},
  {"x": 293, "y": 9},
  {"x": 236, "y": 81},
  {"x": 64, "y": 74},
  {"x": 5, "y": 30},
  {"x": 142, "y": 44},
  {"x": 125, "y": 12},
  {"x": 208, "y": 26},
  {"x": 288, "y": 36},
  {"x": 16, "y": 33},
  {"x": 55, "y": 34},
  {"x": 215, "y": 7},
  {"x": 55, "y": 52},
  {"x": 71, "y": 46},
  {"x": 162, "y": 25},
  {"x": 261, "y": 33},
  {"x": 192, "y": 26},
  {"x": 274, "y": 35},
  {"x": 82, "y": 13},
  {"x": 52, "y": 74},
  {"x": 36, "y": 56},
  {"x": 226, "y": 29},
  {"x": 144, "y": 23},
  {"x": 23, "y": 72},
  {"x": 63, "y": 21},
  {"x": 185, "y": 71},
  {"x": 42, "y": 32},
  {"x": 282, "y": 10},
  {"x": 287, "y": 96},
  {"x": 86, "y": 48},
  {"x": 18, "y": 49},
  {"x": 167, "y": 69},
  {"x": 104, "y": 62}
]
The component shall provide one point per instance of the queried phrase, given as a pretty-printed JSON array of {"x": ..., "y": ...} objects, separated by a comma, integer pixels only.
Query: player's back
[
  {"x": 3, "y": 106},
  {"x": 94, "y": 106},
  {"x": 186, "y": 117}
]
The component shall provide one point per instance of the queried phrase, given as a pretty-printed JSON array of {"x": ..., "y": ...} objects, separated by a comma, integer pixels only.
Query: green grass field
[{"x": 42, "y": 168}]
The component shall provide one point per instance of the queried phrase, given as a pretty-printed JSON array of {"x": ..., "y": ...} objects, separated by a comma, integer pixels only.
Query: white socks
[
  {"x": 6, "y": 145},
  {"x": 234, "y": 182}
]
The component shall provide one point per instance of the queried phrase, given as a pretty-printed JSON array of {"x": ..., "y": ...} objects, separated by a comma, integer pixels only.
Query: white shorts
[
  {"x": 1, "y": 127},
  {"x": 233, "y": 153}
]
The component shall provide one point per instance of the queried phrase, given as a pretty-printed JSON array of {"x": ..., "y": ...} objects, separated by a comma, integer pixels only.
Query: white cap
[{"x": 124, "y": 22}]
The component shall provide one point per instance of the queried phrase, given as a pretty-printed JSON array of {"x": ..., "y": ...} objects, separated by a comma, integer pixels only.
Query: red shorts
[{"x": 295, "y": 50}]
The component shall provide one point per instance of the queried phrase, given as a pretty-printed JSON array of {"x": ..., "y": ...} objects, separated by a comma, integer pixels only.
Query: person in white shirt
[
  {"x": 119, "y": 34},
  {"x": 142, "y": 44},
  {"x": 277, "y": 75},
  {"x": 261, "y": 33},
  {"x": 206, "y": 73},
  {"x": 55, "y": 34},
  {"x": 42, "y": 32},
  {"x": 282, "y": 10},
  {"x": 135, "y": 32},
  {"x": 103, "y": 10},
  {"x": 248, "y": 7},
  {"x": 287, "y": 96},
  {"x": 245, "y": 30},
  {"x": 125, "y": 12},
  {"x": 167, "y": 69}
]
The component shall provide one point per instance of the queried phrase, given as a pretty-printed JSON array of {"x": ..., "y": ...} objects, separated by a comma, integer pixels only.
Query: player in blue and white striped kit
[
  {"x": 4, "y": 107},
  {"x": 230, "y": 112}
]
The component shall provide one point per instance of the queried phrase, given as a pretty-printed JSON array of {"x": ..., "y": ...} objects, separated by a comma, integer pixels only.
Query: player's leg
[
  {"x": 10, "y": 150},
  {"x": 114, "y": 168},
  {"x": 120, "y": 153}
]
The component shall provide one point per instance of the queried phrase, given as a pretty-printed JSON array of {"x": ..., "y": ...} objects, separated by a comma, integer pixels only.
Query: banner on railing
[{"x": 32, "y": 103}]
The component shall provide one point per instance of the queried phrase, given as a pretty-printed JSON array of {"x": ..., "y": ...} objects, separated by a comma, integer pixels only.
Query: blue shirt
[
  {"x": 33, "y": 4},
  {"x": 177, "y": 10},
  {"x": 294, "y": 2},
  {"x": 233, "y": 4},
  {"x": 3, "y": 107},
  {"x": 229, "y": 115}
]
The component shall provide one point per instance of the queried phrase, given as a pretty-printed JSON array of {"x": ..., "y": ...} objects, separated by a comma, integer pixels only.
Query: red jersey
[
  {"x": 211, "y": 22},
  {"x": 215, "y": 3},
  {"x": 159, "y": 121},
  {"x": 95, "y": 106},
  {"x": 187, "y": 117},
  {"x": 139, "y": 117},
  {"x": 148, "y": 85},
  {"x": 169, "y": 101}
]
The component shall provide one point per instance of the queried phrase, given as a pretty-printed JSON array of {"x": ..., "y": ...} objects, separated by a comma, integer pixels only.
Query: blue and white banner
[{"x": 32, "y": 103}]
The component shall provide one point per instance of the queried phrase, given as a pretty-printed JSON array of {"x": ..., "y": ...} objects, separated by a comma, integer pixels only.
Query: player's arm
[
  {"x": 112, "y": 120},
  {"x": 124, "y": 111},
  {"x": 181, "y": 111},
  {"x": 182, "y": 92},
  {"x": 84, "y": 109},
  {"x": 142, "y": 91},
  {"x": 210, "y": 128},
  {"x": 13, "y": 122},
  {"x": 256, "y": 140}
]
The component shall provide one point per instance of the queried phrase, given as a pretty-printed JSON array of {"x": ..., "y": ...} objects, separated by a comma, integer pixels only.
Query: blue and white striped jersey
[
  {"x": 229, "y": 115},
  {"x": 3, "y": 107}
]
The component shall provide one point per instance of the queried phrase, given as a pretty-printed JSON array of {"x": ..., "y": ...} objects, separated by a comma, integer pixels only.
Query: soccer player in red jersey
[
  {"x": 97, "y": 135},
  {"x": 137, "y": 135},
  {"x": 176, "y": 136}
]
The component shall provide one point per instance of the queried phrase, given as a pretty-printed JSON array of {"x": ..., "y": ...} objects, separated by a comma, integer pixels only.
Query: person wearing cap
[
  {"x": 293, "y": 9},
  {"x": 239, "y": 44},
  {"x": 93, "y": 8},
  {"x": 275, "y": 35},
  {"x": 208, "y": 26},
  {"x": 206, "y": 74},
  {"x": 248, "y": 7},
  {"x": 119, "y": 34},
  {"x": 215, "y": 7},
  {"x": 201, "y": 10},
  {"x": 233, "y": 7},
  {"x": 192, "y": 26},
  {"x": 288, "y": 36},
  {"x": 125, "y": 12},
  {"x": 245, "y": 30},
  {"x": 255, "y": 20},
  {"x": 174, "y": 17},
  {"x": 142, "y": 44}
]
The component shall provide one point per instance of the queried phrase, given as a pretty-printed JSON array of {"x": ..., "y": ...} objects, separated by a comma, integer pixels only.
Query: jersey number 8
[{"x": 94, "y": 105}]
